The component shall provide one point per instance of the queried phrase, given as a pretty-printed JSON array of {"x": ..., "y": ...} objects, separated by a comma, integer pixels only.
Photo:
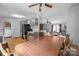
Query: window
[{"x": 56, "y": 28}]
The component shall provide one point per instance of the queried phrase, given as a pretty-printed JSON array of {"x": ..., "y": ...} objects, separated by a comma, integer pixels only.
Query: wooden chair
[
  {"x": 30, "y": 36},
  {"x": 66, "y": 46},
  {"x": 67, "y": 49},
  {"x": 5, "y": 50}
]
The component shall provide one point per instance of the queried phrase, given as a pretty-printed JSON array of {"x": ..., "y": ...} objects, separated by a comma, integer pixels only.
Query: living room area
[{"x": 40, "y": 29}]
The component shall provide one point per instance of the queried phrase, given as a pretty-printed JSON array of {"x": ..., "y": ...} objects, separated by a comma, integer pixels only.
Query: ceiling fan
[{"x": 40, "y": 5}]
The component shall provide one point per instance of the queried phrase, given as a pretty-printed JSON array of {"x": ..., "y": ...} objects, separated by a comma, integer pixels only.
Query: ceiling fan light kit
[{"x": 40, "y": 8}]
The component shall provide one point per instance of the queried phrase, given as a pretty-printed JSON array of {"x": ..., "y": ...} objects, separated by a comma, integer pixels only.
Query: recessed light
[{"x": 18, "y": 15}]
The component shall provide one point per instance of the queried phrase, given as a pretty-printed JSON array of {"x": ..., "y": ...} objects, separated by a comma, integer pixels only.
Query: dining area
[
  {"x": 47, "y": 40},
  {"x": 38, "y": 39},
  {"x": 42, "y": 33},
  {"x": 42, "y": 46}
]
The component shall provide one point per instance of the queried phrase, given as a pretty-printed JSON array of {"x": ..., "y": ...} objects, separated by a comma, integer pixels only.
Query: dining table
[{"x": 43, "y": 46}]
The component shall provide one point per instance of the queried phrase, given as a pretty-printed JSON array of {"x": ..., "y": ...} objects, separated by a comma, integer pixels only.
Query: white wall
[
  {"x": 15, "y": 26},
  {"x": 73, "y": 23},
  {"x": 1, "y": 27}
]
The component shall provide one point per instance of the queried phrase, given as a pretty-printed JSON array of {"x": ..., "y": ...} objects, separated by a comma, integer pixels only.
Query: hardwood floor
[
  {"x": 44, "y": 45},
  {"x": 76, "y": 49}
]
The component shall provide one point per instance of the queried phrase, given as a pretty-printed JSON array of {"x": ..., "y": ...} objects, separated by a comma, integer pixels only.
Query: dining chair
[
  {"x": 5, "y": 50},
  {"x": 67, "y": 46}
]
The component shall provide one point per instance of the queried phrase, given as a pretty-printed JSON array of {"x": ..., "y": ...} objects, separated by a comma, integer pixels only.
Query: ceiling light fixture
[{"x": 18, "y": 15}]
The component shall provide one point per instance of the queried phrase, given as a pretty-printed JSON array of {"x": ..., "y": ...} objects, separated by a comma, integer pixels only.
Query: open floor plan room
[{"x": 39, "y": 29}]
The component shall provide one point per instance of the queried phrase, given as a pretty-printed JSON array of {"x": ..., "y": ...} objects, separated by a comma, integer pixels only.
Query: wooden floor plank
[{"x": 46, "y": 46}]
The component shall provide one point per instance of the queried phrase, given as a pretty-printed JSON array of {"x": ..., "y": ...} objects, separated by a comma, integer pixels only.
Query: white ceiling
[{"x": 7, "y": 9}]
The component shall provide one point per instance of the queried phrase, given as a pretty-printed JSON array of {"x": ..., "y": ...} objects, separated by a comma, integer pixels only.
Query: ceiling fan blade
[
  {"x": 48, "y": 5},
  {"x": 32, "y": 5},
  {"x": 40, "y": 5}
]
